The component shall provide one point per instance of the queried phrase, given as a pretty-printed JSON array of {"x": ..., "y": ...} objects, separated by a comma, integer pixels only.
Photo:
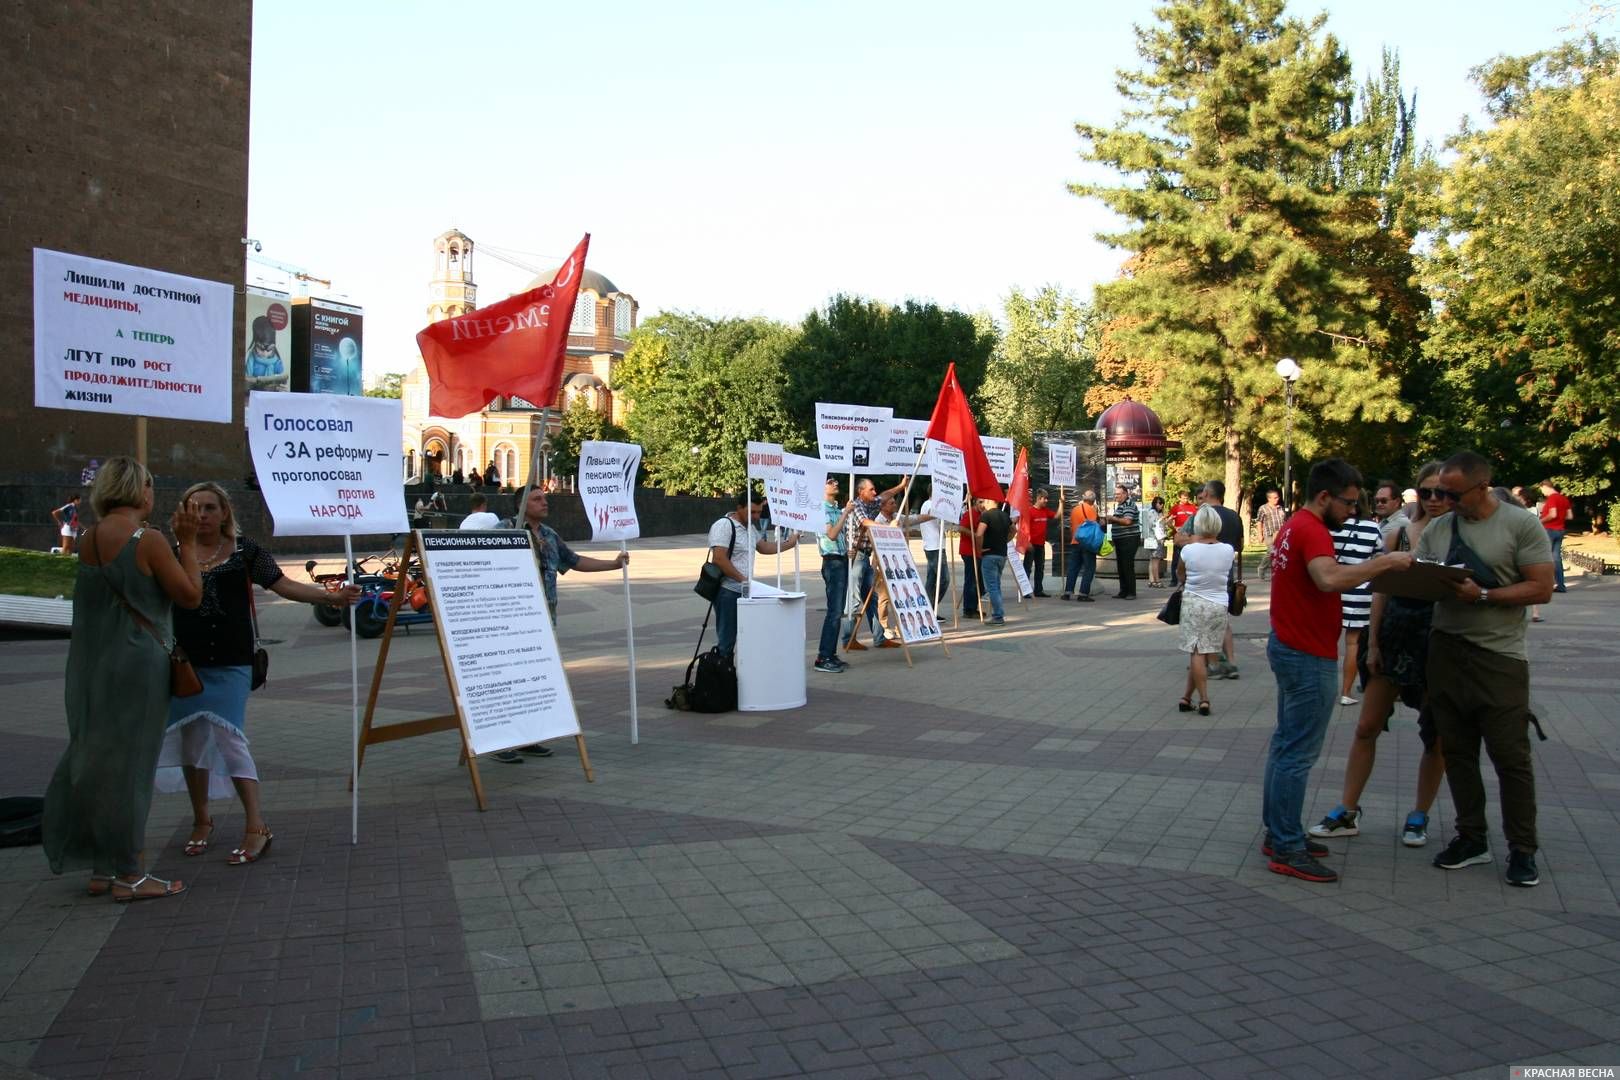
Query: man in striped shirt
[{"x": 1355, "y": 541}]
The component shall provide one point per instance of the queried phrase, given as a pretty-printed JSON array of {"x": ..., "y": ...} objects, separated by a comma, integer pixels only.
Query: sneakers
[
  {"x": 1086, "y": 597},
  {"x": 1067, "y": 596},
  {"x": 1346, "y": 699},
  {"x": 1341, "y": 822},
  {"x": 998, "y": 621},
  {"x": 1463, "y": 852},
  {"x": 1300, "y": 864},
  {"x": 1415, "y": 833},
  {"x": 1521, "y": 870},
  {"x": 830, "y": 667},
  {"x": 1312, "y": 848},
  {"x": 508, "y": 757},
  {"x": 1223, "y": 669},
  {"x": 535, "y": 750}
]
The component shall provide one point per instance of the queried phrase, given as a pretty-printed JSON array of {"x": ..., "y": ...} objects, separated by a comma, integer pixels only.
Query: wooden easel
[
  {"x": 429, "y": 725},
  {"x": 880, "y": 585}
]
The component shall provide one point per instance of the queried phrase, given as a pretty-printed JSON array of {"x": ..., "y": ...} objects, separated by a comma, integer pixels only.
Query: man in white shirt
[
  {"x": 935, "y": 532},
  {"x": 480, "y": 518}
]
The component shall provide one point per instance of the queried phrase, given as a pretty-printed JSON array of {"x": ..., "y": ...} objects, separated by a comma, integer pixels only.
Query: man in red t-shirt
[
  {"x": 1181, "y": 513},
  {"x": 1554, "y": 513},
  {"x": 1303, "y": 651},
  {"x": 1035, "y": 557}
]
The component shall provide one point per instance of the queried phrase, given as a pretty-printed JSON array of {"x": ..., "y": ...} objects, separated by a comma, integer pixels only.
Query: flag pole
[{"x": 354, "y": 691}]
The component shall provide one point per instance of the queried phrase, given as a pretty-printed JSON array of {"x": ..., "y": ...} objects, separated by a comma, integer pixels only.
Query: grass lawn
[
  {"x": 1604, "y": 546},
  {"x": 36, "y": 573}
]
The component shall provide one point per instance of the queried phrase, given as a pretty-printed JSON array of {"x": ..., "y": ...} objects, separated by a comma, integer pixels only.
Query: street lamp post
[{"x": 1289, "y": 372}]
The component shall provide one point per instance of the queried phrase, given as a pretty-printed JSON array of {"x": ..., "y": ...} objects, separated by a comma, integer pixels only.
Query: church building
[{"x": 508, "y": 430}]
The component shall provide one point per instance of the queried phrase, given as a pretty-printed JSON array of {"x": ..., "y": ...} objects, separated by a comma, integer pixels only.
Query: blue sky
[{"x": 729, "y": 158}]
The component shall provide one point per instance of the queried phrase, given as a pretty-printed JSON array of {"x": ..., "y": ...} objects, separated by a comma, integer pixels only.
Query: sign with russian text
[
  {"x": 1061, "y": 462},
  {"x": 909, "y": 606},
  {"x": 114, "y": 338},
  {"x": 328, "y": 465},
  {"x": 949, "y": 468},
  {"x": 326, "y": 348},
  {"x": 1000, "y": 453},
  {"x": 800, "y": 491},
  {"x": 489, "y": 608},
  {"x": 607, "y": 480},
  {"x": 1016, "y": 561},
  {"x": 852, "y": 437},
  {"x": 904, "y": 445}
]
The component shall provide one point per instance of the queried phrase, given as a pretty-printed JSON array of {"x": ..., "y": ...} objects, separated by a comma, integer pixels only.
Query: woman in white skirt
[{"x": 1206, "y": 562}]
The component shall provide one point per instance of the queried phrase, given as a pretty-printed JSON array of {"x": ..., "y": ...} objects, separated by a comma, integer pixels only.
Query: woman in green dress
[{"x": 118, "y": 685}]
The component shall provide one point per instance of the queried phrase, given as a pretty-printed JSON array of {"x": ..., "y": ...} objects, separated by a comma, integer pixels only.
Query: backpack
[
  {"x": 711, "y": 680},
  {"x": 21, "y": 817}
]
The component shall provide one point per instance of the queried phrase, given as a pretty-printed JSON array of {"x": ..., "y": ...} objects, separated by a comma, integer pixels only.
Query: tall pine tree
[{"x": 1239, "y": 231}]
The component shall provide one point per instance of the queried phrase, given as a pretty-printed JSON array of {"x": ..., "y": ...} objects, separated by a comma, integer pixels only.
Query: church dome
[
  {"x": 597, "y": 283},
  {"x": 1134, "y": 432}
]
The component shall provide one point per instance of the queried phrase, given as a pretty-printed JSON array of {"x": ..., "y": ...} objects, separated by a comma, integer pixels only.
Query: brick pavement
[{"x": 1017, "y": 861}]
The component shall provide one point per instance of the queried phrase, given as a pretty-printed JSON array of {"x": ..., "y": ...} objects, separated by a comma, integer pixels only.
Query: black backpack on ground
[
  {"x": 711, "y": 680},
  {"x": 21, "y": 817}
]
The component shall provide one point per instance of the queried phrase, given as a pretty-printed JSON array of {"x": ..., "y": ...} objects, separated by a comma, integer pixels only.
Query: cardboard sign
[
  {"x": 852, "y": 437},
  {"x": 949, "y": 469},
  {"x": 902, "y": 446},
  {"x": 1016, "y": 561},
  {"x": 606, "y": 482},
  {"x": 114, "y": 338},
  {"x": 328, "y": 465},
  {"x": 892, "y": 562},
  {"x": 1000, "y": 453},
  {"x": 1061, "y": 463},
  {"x": 489, "y": 606},
  {"x": 797, "y": 502}
]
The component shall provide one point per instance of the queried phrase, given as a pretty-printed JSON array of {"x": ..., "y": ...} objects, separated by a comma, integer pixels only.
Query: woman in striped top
[{"x": 1356, "y": 541}]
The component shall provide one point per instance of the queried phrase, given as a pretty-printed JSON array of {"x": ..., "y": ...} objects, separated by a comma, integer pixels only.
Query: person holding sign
[
  {"x": 118, "y": 685},
  {"x": 733, "y": 544},
  {"x": 205, "y": 749},
  {"x": 554, "y": 556},
  {"x": 834, "y": 548}
]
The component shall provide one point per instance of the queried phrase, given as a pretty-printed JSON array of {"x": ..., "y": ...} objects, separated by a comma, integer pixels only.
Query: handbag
[
  {"x": 1237, "y": 591},
  {"x": 710, "y": 575},
  {"x": 1170, "y": 614},
  {"x": 183, "y": 680},
  {"x": 261, "y": 658}
]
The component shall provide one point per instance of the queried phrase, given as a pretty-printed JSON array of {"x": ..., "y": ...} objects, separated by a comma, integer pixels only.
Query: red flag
[
  {"x": 1018, "y": 499},
  {"x": 952, "y": 424},
  {"x": 514, "y": 347}
]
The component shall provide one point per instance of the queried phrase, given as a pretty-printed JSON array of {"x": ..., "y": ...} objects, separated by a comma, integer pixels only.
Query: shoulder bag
[
  {"x": 1237, "y": 593},
  {"x": 709, "y": 574},
  {"x": 183, "y": 680},
  {"x": 261, "y": 658},
  {"x": 1171, "y": 612}
]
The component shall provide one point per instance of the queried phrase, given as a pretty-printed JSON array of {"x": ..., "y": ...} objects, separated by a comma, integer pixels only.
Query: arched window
[
  {"x": 505, "y": 458},
  {"x": 584, "y": 314},
  {"x": 621, "y": 316}
]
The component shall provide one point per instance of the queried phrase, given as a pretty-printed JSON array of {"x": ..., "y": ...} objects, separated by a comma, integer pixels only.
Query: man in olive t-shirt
[{"x": 1478, "y": 674}]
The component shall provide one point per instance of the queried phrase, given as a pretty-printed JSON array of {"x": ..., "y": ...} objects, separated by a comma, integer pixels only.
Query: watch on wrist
[{"x": 1483, "y": 594}]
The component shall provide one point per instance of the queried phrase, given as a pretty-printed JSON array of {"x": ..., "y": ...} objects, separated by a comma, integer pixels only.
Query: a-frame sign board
[
  {"x": 896, "y": 581},
  {"x": 497, "y": 645}
]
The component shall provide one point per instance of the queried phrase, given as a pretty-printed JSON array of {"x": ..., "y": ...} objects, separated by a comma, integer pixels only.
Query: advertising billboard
[
  {"x": 267, "y": 346},
  {"x": 327, "y": 347}
]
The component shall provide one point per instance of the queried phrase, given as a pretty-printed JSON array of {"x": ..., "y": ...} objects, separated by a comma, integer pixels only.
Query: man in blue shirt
[{"x": 834, "y": 548}]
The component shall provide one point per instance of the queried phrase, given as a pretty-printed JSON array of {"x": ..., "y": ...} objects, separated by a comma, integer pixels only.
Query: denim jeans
[
  {"x": 835, "y": 575},
  {"x": 938, "y": 564},
  {"x": 1556, "y": 538},
  {"x": 970, "y": 587},
  {"x": 1035, "y": 566},
  {"x": 1307, "y": 690},
  {"x": 990, "y": 567},
  {"x": 1083, "y": 565},
  {"x": 725, "y": 618}
]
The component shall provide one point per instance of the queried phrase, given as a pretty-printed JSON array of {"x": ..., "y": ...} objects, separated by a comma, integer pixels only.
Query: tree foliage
[
  {"x": 1040, "y": 370},
  {"x": 699, "y": 389},
  {"x": 390, "y": 385},
  {"x": 580, "y": 423},
  {"x": 1238, "y": 233},
  {"x": 1526, "y": 329}
]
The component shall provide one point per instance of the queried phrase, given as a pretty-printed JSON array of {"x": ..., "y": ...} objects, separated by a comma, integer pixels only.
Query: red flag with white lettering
[
  {"x": 953, "y": 425},
  {"x": 1018, "y": 499},
  {"x": 512, "y": 348}
]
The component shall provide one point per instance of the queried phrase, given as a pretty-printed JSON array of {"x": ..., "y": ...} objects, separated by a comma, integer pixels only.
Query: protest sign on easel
[
  {"x": 895, "y": 580},
  {"x": 507, "y": 684}
]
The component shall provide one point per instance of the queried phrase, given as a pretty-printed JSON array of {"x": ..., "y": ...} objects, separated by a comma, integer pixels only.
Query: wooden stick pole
[
  {"x": 630, "y": 645},
  {"x": 354, "y": 697}
]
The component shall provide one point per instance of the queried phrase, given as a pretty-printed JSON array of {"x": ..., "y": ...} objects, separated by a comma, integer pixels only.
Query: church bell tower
[{"x": 452, "y": 291}]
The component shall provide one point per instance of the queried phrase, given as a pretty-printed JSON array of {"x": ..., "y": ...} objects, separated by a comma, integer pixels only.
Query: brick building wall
[{"x": 125, "y": 131}]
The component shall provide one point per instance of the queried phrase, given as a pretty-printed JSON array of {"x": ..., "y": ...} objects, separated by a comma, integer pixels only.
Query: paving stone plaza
[{"x": 1016, "y": 860}]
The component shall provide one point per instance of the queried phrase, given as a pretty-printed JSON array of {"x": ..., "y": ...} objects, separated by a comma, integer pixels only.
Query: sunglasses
[{"x": 1438, "y": 493}]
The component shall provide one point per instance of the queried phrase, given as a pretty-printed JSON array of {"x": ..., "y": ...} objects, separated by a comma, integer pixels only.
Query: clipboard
[{"x": 1423, "y": 581}]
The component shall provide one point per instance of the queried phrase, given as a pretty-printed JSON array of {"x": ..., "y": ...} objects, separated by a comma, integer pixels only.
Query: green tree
[
  {"x": 864, "y": 352},
  {"x": 580, "y": 423},
  {"x": 699, "y": 389},
  {"x": 389, "y": 385},
  {"x": 1237, "y": 238},
  {"x": 1526, "y": 328},
  {"x": 1045, "y": 361}
]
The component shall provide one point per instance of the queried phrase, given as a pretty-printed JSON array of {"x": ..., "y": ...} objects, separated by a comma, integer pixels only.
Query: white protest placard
[
  {"x": 949, "y": 469},
  {"x": 328, "y": 465},
  {"x": 800, "y": 492},
  {"x": 1000, "y": 453},
  {"x": 114, "y": 338},
  {"x": 903, "y": 443},
  {"x": 1016, "y": 561},
  {"x": 1061, "y": 461},
  {"x": 908, "y": 603},
  {"x": 607, "y": 480},
  {"x": 506, "y": 675},
  {"x": 851, "y": 437}
]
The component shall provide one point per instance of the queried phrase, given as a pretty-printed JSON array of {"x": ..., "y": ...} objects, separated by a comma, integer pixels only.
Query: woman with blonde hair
[
  {"x": 118, "y": 684},
  {"x": 1206, "y": 563},
  {"x": 205, "y": 752}
]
